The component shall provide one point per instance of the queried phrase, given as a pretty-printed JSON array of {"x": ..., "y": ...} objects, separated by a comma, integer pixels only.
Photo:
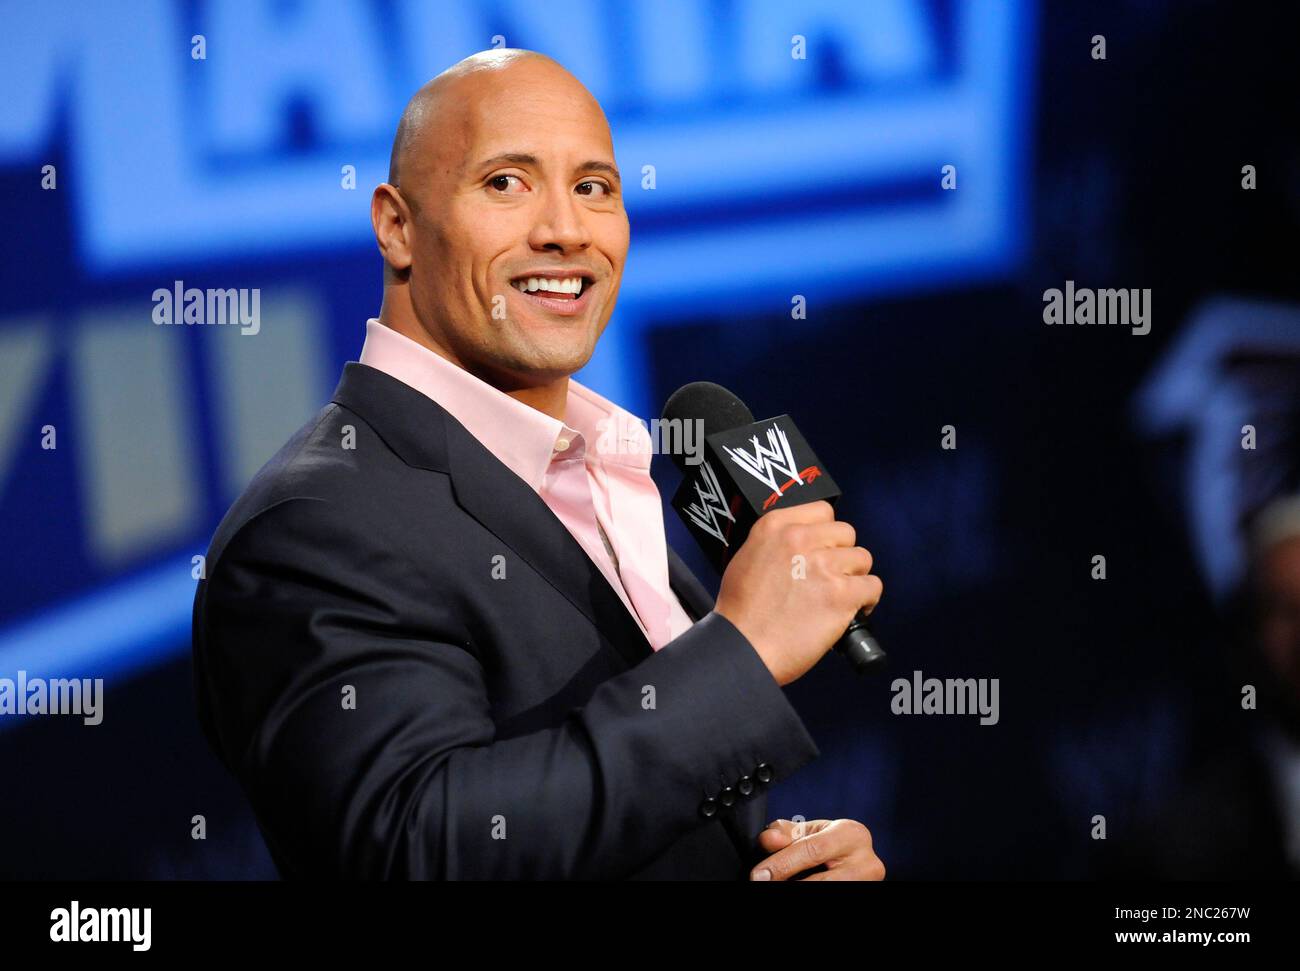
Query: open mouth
[{"x": 560, "y": 294}]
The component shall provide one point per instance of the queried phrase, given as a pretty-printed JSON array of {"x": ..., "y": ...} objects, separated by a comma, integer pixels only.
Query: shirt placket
[
  {"x": 651, "y": 606},
  {"x": 570, "y": 483}
]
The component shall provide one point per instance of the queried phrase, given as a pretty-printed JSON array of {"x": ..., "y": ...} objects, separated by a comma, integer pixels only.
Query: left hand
[{"x": 841, "y": 846}]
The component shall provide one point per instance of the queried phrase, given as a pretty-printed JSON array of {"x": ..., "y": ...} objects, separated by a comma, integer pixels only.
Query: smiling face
[{"x": 507, "y": 227}]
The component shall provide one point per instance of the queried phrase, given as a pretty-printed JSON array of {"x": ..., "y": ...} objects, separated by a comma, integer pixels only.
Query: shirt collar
[{"x": 524, "y": 439}]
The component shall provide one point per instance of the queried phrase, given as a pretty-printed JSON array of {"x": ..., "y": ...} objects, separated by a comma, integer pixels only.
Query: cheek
[
  {"x": 467, "y": 249},
  {"x": 434, "y": 254},
  {"x": 624, "y": 235},
  {"x": 613, "y": 241}
]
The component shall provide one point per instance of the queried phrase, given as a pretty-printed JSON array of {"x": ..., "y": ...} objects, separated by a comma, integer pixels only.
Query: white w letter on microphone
[
  {"x": 711, "y": 505},
  {"x": 765, "y": 462}
]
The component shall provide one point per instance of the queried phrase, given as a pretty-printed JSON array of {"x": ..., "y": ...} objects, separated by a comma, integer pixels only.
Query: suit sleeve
[{"x": 361, "y": 729}]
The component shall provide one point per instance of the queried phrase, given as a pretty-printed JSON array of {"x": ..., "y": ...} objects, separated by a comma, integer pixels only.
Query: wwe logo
[
  {"x": 765, "y": 462},
  {"x": 712, "y": 504}
]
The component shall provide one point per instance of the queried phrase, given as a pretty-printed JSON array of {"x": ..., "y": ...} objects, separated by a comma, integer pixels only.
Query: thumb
[{"x": 779, "y": 832}]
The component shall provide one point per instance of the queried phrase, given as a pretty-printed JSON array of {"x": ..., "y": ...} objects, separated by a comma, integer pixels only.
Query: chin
[
  {"x": 559, "y": 361},
  {"x": 561, "y": 367},
  {"x": 537, "y": 369}
]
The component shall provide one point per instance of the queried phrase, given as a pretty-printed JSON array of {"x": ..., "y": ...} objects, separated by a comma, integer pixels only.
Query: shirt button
[{"x": 561, "y": 444}]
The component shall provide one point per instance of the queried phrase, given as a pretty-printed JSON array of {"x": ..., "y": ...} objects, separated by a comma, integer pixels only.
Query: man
[{"x": 441, "y": 634}]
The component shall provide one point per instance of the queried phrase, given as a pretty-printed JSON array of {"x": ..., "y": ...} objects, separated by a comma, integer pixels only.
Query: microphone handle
[{"x": 860, "y": 646}]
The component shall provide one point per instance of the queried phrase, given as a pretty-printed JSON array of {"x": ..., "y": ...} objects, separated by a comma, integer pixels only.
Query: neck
[
  {"x": 398, "y": 314},
  {"x": 549, "y": 399}
]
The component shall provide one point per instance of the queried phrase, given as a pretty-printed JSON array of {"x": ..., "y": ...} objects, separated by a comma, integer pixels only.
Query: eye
[
  {"x": 593, "y": 188},
  {"x": 505, "y": 183}
]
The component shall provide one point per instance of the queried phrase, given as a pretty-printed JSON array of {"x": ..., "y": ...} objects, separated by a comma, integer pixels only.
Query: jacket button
[
  {"x": 709, "y": 808},
  {"x": 745, "y": 785},
  {"x": 727, "y": 796},
  {"x": 763, "y": 773}
]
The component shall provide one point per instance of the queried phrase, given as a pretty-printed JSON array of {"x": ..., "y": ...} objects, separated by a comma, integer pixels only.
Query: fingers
[
  {"x": 871, "y": 589},
  {"x": 808, "y": 537},
  {"x": 853, "y": 561},
  {"x": 813, "y": 527},
  {"x": 781, "y": 832},
  {"x": 816, "y": 847},
  {"x": 820, "y": 511},
  {"x": 796, "y": 828},
  {"x": 772, "y": 839},
  {"x": 842, "y": 847},
  {"x": 850, "y": 571}
]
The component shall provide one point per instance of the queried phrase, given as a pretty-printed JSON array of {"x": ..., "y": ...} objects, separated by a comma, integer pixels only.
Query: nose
[{"x": 560, "y": 225}]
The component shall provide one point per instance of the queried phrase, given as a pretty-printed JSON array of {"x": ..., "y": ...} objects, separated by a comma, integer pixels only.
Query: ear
[{"x": 391, "y": 218}]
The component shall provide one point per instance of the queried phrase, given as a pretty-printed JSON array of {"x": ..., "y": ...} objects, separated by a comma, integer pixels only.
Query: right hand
[{"x": 792, "y": 620}]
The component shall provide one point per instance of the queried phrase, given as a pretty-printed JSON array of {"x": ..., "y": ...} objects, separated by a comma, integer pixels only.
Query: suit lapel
[
  {"x": 694, "y": 598},
  {"x": 504, "y": 504},
  {"x": 426, "y": 436}
]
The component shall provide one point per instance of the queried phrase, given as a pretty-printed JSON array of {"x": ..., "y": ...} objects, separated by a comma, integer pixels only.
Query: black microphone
[{"x": 738, "y": 469}]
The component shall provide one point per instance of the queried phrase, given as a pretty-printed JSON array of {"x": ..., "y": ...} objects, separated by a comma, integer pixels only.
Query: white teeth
[{"x": 533, "y": 284}]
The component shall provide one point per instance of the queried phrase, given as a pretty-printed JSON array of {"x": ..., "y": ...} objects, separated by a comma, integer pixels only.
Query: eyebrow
[{"x": 524, "y": 159}]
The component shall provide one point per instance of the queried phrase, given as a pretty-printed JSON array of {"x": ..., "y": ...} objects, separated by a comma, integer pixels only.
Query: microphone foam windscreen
[
  {"x": 717, "y": 407},
  {"x": 710, "y": 403}
]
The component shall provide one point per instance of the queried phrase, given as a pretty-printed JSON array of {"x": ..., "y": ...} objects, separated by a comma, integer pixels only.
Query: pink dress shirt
[{"x": 592, "y": 470}]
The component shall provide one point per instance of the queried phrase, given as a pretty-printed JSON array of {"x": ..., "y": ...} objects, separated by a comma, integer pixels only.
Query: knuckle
[
  {"x": 812, "y": 850},
  {"x": 836, "y": 592},
  {"x": 821, "y": 564},
  {"x": 850, "y": 535},
  {"x": 847, "y": 592},
  {"x": 778, "y": 517}
]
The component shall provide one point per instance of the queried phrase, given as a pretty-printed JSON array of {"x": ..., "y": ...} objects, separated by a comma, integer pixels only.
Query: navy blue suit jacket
[{"x": 416, "y": 672}]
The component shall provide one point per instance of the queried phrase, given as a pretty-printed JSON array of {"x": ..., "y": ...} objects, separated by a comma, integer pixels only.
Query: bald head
[
  {"x": 502, "y": 225},
  {"x": 436, "y": 105}
]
